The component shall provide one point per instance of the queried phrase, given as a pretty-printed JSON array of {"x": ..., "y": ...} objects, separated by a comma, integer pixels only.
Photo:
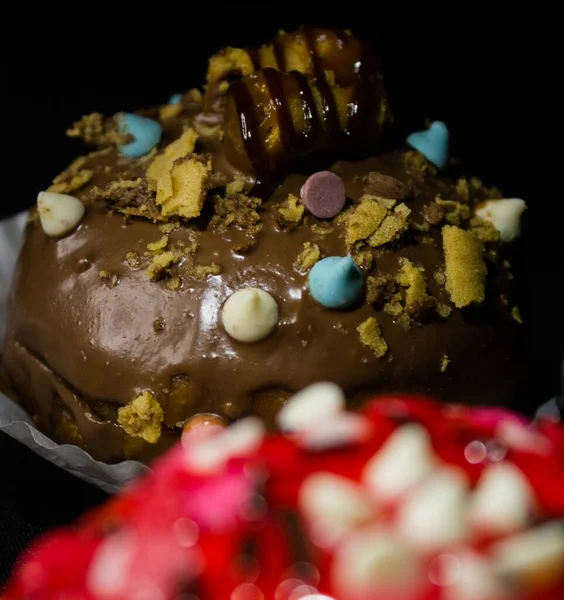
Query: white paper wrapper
[{"x": 17, "y": 424}]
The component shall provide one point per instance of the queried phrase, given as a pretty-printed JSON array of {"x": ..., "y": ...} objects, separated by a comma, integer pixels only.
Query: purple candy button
[{"x": 323, "y": 194}]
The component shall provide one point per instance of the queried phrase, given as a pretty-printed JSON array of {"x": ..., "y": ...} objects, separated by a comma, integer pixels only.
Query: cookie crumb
[
  {"x": 445, "y": 360},
  {"x": 433, "y": 213},
  {"x": 289, "y": 213},
  {"x": 159, "y": 171},
  {"x": 463, "y": 190},
  {"x": 159, "y": 245},
  {"x": 412, "y": 278},
  {"x": 455, "y": 212},
  {"x": 109, "y": 279},
  {"x": 169, "y": 227},
  {"x": 484, "y": 230},
  {"x": 363, "y": 220},
  {"x": 362, "y": 256},
  {"x": 391, "y": 228},
  {"x": 158, "y": 325},
  {"x": 379, "y": 288},
  {"x": 173, "y": 284},
  {"x": 236, "y": 186},
  {"x": 132, "y": 259},
  {"x": 142, "y": 418},
  {"x": 96, "y": 130},
  {"x": 516, "y": 315},
  {"x": 189, "y": 177},
  {"x": 385, "y": 186},
  {"x": 307, "y": 257},
  {"x": 465, "y": 268},
  {"x": 371, "y": 336},
  {"x": 202, "y": 272},
  {"x": 236, "y": 210},
  {"x": 72, "y": 178},
  {"x": 439, "y": 277},
  {"x": 160, "y": 263}
]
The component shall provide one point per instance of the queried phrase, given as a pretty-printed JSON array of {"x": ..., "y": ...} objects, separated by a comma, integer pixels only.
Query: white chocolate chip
[
  {"x": 503, "y": 500},
  {"x": 372, "y": 563},
  {"x": 472, "y": 578},
  {"x": 333, "y": 505},
  {"x": 310, "y": 405},
  {"x": 404, "y": 460},
  {"x": 504, "y": 215},
  {"x": 59, "y": 213},
  {"x": 338, "y": 430},
  {"x": 533, "y": 558},
  {"x": 249, "y": 315},
  {"x": 210, "y": 454},
  {"x": 434, "y": 515}
]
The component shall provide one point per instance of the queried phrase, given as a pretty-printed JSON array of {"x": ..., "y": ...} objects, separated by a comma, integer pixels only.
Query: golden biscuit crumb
[
  {"x": 238, "y": 210},
  {"x": 362, "y": 256},
  {"x": 159, "y": 171},
  {"x": 413, "y": 279},
  {"x": 391, "y": 228},
  {"x": 363, "y": 220},
  {"x": 236, "y": 186},
  {"x": 483, "y": 230},
  {"x": 456, "y": 213},
  {"x": 445, "y": 360},
  {"x": 444, "y": 310},
  {"x": 72, "y": 178},
  {"x": 516, "y": 314},
  {"x": 169, "y": 111},
  {"x": 169, "y": 227},
  {"x": 393, "y": 306},
  {"x": 142, "y": 418},
  {"x": 229, "y": 60},
  {"x": 158, "y": 245},
  {"x": 160, "y": 263},
  {"x": 379, "y": 288},
  {"x": 189, "y": 177},
  {"x": 462, "y": 189},
  {"x": 439, "y": 277},
  {"x": 418, "y": 163},
  {"x": 340, "y": 328},
  {"x": 202, "y": 272},
  {"x": 465, "y": 268},
  {"x": 132, "y": 259},
  {"x": 371, "y": 336},
  {"x": 307, "y": 257},
  {"x": 173, "y": 284},
  {"x": 289, "y": 213},
  {"x": 96, "y": 130},
  {"x": 319, "y": 228}
]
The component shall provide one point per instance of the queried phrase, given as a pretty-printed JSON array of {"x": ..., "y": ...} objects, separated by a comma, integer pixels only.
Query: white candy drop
[
  {"x": 504, "y": 215},
  {"x": 534, "y": 557},
  {"x": 503, "y": 500},
  {"x": 240, "y": 439},
  {"x": 434, "y": 515},
  {"x": 333, "y": 505},
  {"x": 59, "y": 213},
  {"x": 474, "y": 579},
  {"x": 249, "y": 315},
  {"x": 311, "y": 405},
  {"x": 372, "y": 563},
  {"x": 404, "y": 460}
]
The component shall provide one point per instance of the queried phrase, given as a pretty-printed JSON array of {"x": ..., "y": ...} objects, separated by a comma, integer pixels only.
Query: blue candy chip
[
  {"x": 175, "y": 99},
  {"x": 432, "y": 143},
  {"x": 336, "y": 282},
  {"x": 146, "y": 133}
]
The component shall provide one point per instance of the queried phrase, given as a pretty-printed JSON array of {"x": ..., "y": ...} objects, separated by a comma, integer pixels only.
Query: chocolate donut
[{"x": 115, "y": 336}]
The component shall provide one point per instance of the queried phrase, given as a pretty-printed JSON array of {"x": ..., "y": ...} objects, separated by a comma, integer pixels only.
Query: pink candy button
[{"x": 323, "y": 194}]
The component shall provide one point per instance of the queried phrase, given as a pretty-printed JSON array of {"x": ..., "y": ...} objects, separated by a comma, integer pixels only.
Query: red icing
[{"x": 228, "y": 535}]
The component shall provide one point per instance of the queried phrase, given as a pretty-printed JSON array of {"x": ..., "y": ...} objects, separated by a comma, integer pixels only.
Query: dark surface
[{"x": 502, "y": 105}]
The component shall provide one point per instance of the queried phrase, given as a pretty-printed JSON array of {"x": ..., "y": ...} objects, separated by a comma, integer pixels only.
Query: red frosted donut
[{"x": 410, "y": 499}]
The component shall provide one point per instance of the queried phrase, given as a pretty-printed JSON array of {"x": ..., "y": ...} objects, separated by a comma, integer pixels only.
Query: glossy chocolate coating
[{"x": 72, "y": 337}]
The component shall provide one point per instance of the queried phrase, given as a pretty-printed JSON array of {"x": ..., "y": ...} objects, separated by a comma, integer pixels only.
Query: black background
[{"x": 496, "y": 85}]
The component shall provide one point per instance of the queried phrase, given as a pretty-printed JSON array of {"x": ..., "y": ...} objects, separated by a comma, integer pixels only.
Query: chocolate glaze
[{"x": 70, "y": 337}]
